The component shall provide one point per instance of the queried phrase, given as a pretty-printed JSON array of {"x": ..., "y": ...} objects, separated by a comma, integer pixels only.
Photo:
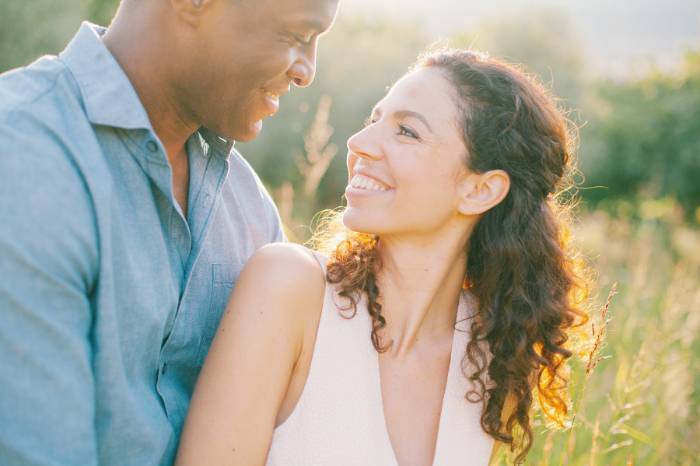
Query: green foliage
[
  {"x": 101, "y": 11},
  {"x": 24, "y": 34},
  {"x": 644, "y": 138},
  {"x": 32, "y": 28},
  {"x": 543, "y": 40}
]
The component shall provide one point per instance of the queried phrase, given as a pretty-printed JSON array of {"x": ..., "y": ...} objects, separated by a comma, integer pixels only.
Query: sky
[{"x": 618, "y": 35}]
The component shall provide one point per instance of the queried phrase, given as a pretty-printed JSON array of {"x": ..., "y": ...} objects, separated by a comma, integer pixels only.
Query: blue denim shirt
[{"x": 109, "y": 297}]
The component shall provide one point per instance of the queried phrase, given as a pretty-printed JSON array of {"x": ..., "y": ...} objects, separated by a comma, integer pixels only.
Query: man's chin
[
  {"x": 240, "y": 133},
  {"x": 249, "y": 133}
]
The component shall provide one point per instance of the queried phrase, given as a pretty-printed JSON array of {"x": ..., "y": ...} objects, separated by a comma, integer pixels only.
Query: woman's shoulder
[
  {"x": 279, "y": 293},
  {"x": 288, "y": 257},
  {"x": 288, "y": 271}
]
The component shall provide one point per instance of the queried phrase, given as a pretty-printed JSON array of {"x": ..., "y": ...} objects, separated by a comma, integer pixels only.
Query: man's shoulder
[
  {"x": 39, "y": 176},
  {"x": 245, "y": 190},
  {"x": 42, "y": 117},
  {"x": 240, "y": 167},
  {"x": 244, "y": 180},
  {"x": 39, "y": 88},
  {"x": 45, "y": 136}
]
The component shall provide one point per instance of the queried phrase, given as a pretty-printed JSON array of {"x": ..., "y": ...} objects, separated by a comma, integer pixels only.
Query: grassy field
[{"x": 641, "y": 404}]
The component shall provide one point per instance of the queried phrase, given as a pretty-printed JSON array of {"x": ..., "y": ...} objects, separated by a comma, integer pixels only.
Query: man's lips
[
  {"x": 271, "y": 103},
  {"x": 271, "y": 100}
]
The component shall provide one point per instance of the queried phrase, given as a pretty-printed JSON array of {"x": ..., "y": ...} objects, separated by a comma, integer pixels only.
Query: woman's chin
[{"x": 360, "y": 222}]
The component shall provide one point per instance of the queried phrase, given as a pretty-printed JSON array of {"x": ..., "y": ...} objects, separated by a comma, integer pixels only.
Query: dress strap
[{"x": 322, "y": 260}]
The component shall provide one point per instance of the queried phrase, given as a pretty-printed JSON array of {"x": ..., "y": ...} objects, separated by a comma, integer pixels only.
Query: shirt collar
[
  {"x": 221, "y": 146},
  {"x": 109, "y": 97}
]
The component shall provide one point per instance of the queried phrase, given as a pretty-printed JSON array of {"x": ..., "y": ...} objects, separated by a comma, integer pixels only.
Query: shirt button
[{"x": 152, "y": 146}]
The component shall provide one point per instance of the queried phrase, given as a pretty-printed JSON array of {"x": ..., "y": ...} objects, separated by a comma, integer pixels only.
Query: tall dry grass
[{"x": 641, "y": 404}]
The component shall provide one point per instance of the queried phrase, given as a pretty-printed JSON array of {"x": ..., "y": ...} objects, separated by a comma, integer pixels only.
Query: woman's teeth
[{"x": 364, "y": 182}]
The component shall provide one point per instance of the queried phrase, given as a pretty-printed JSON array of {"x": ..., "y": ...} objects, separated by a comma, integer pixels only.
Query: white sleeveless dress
[{"x": 339, "y": 418}]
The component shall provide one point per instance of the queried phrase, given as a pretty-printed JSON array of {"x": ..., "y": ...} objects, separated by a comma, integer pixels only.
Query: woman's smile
[{"x": 362, "y": 185}]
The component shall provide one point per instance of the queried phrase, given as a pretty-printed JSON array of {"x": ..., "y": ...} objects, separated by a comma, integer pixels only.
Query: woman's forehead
[{"x": 426, "y": 90}]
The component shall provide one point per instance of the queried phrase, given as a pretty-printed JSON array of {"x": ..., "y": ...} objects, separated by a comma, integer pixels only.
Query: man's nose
[{"x": 303, "y": 70}]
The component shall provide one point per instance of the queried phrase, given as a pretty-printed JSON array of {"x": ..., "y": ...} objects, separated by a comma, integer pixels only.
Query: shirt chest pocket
[{"x": 223, "y": 279}]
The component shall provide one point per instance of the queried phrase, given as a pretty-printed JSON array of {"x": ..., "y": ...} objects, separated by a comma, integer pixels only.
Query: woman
[{"x": 425, "y": 335}]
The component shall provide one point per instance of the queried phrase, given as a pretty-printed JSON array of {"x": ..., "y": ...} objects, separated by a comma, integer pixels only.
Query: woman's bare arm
[{"x": 252, "y": 359}]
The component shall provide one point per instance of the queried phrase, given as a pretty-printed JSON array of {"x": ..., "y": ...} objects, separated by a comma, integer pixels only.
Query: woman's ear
[{"x": 480, "y": 192}]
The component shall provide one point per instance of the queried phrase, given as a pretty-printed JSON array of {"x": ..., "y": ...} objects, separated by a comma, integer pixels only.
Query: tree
[
  {"x": 29, "y": 29},
  {"x": 644, "y": 136},
  {"x": 543, "y": 40}
]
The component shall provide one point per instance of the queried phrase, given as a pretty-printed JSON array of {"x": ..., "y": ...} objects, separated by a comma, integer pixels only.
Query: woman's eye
[
  {"x": 406, "y": 131},
  {"x": 368, "y": 121}
]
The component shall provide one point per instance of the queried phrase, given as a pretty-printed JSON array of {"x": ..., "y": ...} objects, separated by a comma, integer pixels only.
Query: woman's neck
[{"x": 420, "y": 284}]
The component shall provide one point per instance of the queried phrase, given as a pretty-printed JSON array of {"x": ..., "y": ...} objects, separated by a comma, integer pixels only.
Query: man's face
[{"x": 246, "y": 53}]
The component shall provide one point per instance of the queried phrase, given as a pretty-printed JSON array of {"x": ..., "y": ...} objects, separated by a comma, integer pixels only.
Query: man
[{"x": 126, "y": 217}]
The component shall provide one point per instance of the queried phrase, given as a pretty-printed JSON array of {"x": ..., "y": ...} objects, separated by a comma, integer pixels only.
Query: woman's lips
[
  {"x": 362, "y": 185},
  {"x": 363, "y": 181}
]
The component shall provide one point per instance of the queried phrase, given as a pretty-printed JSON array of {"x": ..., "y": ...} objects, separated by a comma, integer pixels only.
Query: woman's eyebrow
[
  {"x": 377, "y": 112},
  {"x": 416, "y": 115}
]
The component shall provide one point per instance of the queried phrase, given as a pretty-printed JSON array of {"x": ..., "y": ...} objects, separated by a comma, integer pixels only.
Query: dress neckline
[{"x": 461, "y": 316}]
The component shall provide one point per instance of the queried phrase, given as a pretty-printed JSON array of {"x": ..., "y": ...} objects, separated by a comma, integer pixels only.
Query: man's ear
[
  {"x": 479, "y": 192},
  {"x": 190, "y": 10}
]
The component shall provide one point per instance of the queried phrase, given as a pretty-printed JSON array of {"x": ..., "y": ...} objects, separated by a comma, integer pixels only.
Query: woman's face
[{"x": 407, "y": 166}]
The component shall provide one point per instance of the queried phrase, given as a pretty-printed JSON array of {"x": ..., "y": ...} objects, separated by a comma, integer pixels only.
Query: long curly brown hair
[{"x": 529, "y": 284}]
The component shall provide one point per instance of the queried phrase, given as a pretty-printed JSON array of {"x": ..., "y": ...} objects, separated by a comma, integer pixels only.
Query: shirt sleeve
[
  {"x": 48, "y": 265},
  {"x": 277, "y": 235}
]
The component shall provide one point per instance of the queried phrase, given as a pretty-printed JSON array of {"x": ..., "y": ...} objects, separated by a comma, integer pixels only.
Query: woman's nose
[{"x": 365, "y": 143}]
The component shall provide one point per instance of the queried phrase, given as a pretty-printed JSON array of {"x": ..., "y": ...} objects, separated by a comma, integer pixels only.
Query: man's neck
[{"x": 142, "y": 61}]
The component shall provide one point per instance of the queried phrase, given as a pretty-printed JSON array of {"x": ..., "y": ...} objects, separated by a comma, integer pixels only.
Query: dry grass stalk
[
  {"x": 284, "y": 196},
  {"x": 594, "y": 443},
  {"x": 547, "y": 448},
  {"x": 319, "y": 152},
  {"x": 599, "y": 334},
  {"x": 297, "y": 205}
]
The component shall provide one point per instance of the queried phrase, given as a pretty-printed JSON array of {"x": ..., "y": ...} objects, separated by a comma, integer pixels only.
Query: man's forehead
[{"x": 317, "y": 14}]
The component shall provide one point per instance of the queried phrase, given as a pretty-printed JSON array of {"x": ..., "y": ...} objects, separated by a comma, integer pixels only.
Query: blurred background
[{"x": 628, "y": 74}]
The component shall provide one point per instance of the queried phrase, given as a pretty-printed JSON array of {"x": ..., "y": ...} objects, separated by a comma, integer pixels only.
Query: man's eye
[
  {"x": 406, "y": 131},
  {"x": 296, "y": 39},
  {"x": 304, "y": 40}
]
